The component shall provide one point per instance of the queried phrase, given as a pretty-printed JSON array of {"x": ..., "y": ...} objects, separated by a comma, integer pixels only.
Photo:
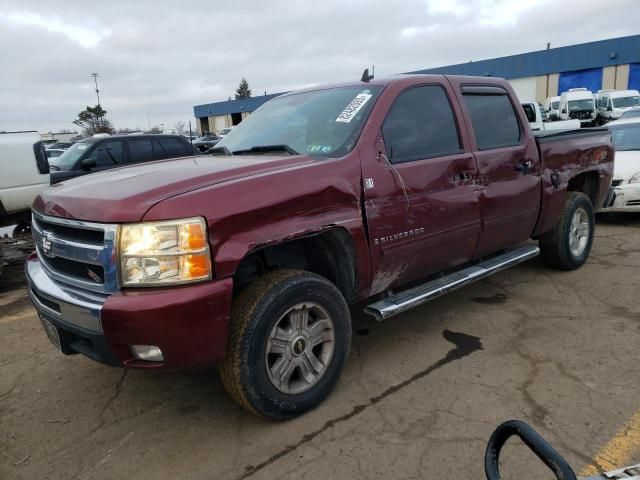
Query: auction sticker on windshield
[{"x": 354, "y": 107}]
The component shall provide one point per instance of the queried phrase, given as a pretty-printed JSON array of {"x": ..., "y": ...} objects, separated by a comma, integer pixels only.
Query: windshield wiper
[
  {"x": 218, "y": 150},
  {"x": 267, "y": 148}
]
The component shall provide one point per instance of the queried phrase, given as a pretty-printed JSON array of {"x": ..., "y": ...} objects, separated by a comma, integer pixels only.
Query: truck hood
[{"x": 125, "y": 194}]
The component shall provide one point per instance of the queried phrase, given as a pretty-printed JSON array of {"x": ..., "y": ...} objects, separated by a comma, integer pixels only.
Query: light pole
[{"x": 95, "y": 79}]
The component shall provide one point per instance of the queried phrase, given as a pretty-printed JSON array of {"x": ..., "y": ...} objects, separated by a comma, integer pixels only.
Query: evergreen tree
[
  {"x": 243, "y": 90},
  {"x": 93, "y": 120}
]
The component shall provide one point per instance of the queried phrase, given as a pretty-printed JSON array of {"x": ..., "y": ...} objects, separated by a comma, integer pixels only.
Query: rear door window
[
  {"x": 169, "y": 148},
  {"x": 420, "y": 124},
  {"x": 141, "y": 150},
  {"x": 494, "y": 119}
]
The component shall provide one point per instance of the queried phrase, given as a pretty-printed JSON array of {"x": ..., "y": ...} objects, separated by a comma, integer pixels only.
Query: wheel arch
[
  {"x": 329, "y": 253},
  {"x": 587, "y": 183}
]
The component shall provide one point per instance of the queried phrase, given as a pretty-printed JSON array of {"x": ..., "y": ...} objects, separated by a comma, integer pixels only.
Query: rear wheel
[
  {"x": 289, "y": 340},
  {"x": 568, "y": 245}
]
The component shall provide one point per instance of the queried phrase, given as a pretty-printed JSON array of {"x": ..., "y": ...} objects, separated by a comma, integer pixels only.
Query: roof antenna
[{"x": 365, "y": 75}]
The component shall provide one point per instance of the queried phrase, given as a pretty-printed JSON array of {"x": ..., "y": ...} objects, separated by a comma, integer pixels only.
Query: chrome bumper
[
  {"x": 69, "y": 305},
  {"x": 624, "y": 198}
]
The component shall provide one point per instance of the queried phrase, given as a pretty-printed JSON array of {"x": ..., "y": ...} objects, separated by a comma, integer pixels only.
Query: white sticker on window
[{"x": 354, "y": 107}]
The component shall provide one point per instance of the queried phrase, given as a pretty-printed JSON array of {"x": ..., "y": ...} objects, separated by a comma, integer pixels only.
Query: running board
[{"x": 403, "y": 301}]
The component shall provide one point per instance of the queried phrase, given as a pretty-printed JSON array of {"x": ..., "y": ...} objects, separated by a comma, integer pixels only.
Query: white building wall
[{"x": 525, "y": 88}]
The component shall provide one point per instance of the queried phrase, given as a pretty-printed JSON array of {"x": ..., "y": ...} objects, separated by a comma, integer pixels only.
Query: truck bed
[{"x": 564, "y": 154}]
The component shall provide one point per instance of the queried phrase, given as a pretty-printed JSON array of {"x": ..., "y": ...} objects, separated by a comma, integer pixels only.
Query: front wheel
[
  {"x": 289, "y": 340},
  {"x": 568, "y": 245}
]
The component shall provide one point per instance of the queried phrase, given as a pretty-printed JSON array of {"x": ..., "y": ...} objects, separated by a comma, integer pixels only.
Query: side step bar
[{"x": 403, "y": 301}]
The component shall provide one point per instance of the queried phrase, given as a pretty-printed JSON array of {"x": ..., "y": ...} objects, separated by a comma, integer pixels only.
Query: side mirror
[
  {"x": 564, "y": 110},
  {"x": 88, "y": 163},
  {"x": 609, "y": 108}
]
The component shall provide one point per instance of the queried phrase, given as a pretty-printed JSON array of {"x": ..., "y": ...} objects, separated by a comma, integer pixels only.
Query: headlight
[
  {"x": 635, "y": 178},
  {"x": 161, "y": 253}
]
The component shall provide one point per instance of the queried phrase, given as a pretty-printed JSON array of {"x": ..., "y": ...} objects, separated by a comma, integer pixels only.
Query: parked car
[
  {"x": 24, "y": 173},
  {"x": 105, "y": 152},
  {"x": 54, "y": 152},
  {"x": 321, "y": 198},
  {"x": 552, "y": 107},
  {"x": 224, "y": 132},
  {"x": 205, "y": 143},
  {"x": 613, "y": 103},
  {"x": 631, "y": 113},
  {"x": 626, "y": 172},
  {"x": 577, "y": 103},
  {"x": 536, "y": 119},
  {"x": 59, "y": 146}
]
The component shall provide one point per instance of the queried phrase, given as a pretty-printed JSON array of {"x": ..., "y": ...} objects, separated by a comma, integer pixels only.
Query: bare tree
[{"x": 181, "y": 127}]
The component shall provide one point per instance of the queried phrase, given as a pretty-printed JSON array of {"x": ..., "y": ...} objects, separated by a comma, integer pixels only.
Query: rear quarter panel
[{"x": 563, "y": 158}]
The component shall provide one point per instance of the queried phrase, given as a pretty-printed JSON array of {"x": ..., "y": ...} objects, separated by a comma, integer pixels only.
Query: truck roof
[{"x": 389, "y": 79}]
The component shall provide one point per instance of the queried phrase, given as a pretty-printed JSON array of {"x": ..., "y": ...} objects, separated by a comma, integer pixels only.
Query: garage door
[
  {"x": 525, "y": 88},
  {"x": 590, "y": 79},
  {"x": 634, "y": 76}
]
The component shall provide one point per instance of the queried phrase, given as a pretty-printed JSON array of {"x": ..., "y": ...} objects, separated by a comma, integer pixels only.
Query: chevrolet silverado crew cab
[{"x": 249, "y": 257}]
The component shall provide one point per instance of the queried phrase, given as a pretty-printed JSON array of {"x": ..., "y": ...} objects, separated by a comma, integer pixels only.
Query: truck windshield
[
  {"x": 626, "y": 137},
  {"x": 68, "y": 159},
  {"x": 584, "y": 104},
  {"x": 555, "y": 105},
  {"x": 321, "y": 122},
  {"x": 626, "y": 102}
]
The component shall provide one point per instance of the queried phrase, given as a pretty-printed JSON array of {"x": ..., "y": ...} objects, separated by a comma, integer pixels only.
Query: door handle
[
  {"x": 525, "y": 166},
  {"x": 462, "y": 177}
]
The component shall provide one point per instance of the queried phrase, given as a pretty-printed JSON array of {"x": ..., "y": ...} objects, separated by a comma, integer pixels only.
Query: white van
[
  {"x": 613, "y": 103},
  {"x": 577, "y": 103},
  {"x": 552, "y": 107},
  {"x": 24, "y": 173}
]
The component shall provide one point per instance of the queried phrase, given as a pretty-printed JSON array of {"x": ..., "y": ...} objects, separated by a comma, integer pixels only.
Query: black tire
[
  {"x": 555, "y": 245},
  {"x": 22, "y": 230},
  {"x": 254, "y": 313}
]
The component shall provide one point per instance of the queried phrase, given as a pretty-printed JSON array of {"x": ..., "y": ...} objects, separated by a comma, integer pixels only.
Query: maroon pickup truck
[{"x": 322, "y": 198}]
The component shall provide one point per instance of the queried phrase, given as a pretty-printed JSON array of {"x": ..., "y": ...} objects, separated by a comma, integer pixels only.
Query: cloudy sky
[{"x": 156, "y": 58}]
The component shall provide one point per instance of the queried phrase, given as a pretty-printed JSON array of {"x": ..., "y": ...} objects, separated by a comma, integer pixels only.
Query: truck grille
[
  {"x": 94, "y": 237},
  {"x": 82, "y": 271},
  {"x": 77, "y": 253},
  {"x": 580, "y": 115}
]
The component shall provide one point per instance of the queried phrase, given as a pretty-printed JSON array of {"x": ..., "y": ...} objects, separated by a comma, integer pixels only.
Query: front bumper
[
  {"x": 625, "y": 198},
  {"x": 188, "y": 323}
]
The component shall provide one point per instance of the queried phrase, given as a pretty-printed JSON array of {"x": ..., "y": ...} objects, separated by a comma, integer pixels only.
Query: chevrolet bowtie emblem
[{"x": 46, "y": 244}]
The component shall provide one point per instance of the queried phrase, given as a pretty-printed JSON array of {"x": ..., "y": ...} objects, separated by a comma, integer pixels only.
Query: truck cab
[
  {"x": 578, "y": 103},
  {"x": 612, "y": 104}
]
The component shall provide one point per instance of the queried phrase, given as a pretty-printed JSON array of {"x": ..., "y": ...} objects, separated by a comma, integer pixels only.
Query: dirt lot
[{"x": 419, "y": 398}]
